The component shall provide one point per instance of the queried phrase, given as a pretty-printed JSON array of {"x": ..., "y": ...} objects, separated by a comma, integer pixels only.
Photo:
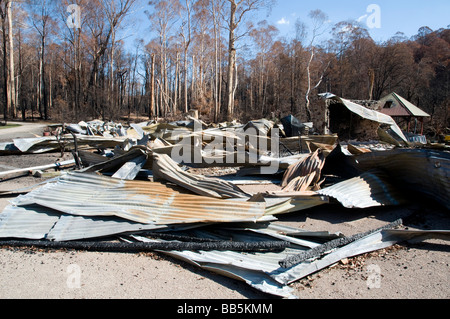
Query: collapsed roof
[
  {"x": 364, "y": 113},
  {"x": 139, "y": 195}
]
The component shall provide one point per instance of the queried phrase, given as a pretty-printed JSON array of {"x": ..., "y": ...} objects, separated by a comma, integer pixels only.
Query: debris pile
[{"x": 137, "y": 188}]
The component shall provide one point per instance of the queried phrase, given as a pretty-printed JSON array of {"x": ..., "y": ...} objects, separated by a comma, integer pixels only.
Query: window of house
[{"x": 388, "y": 104}]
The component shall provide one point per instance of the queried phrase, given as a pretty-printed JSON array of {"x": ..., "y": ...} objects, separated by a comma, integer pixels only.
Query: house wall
[{"x": 350, "y": 126}]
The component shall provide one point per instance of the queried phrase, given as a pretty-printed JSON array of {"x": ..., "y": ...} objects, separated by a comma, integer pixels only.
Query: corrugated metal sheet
[
  {"x": 260, "y": 127},
  {"x": 142, "y": 202},
  {"x": 98, "y": 163},
  {"x": 50, "y": 143},
  {"x": 420, "y": 170},
  {"x": 295, "y": 203},
  {"x": 78, "y": 227},
  {"x": 35, "y": 222},
  {"x": 22, "y": 222},
  {"x": 164, "y": 168},
  {"x": 422, "y": 139},
  {"x": 262, "y": 270},
  {"x": 257, "y": 261},
  {"x": 368, "y": 190},
  {"x": 304, "y": 173},
  {"x": 256, "y": 269}
]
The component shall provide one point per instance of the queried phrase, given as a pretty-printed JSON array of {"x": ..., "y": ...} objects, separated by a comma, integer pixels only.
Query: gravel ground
[
  {"x": 25, "y": 130},
  {"x": 408, "y": 271}
]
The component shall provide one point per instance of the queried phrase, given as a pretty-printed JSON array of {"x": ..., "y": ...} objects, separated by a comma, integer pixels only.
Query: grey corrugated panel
[
  {"x": 293, "y": 204},
  {"x": 261, "y": 127},
  {"x": 256, "y": 279},
  {"x": 164, "y": 168},
  {"x": 421, "y": 170},
  {"x": 262, "y": 270},
  {"x": 259, "y": 270},
  {"x": 142, "y": 202},
  {"x": 294, "y": 232},
  {"x": 77, "y": 228},
  {"x": 8, "y": 148},
  {"x": 265, "y": 261},
  {"x": 368, "y": 190},
  {"x": 253, "y": 268},
  {"x": 50, "y": 143},
  {"x": 35, "y": 222},
  {"x": 107, "y": 165},
  {"x": 378, "y": 240},
  {"x": 130, "y": 169},
  {"x": 27, "y": 222}
]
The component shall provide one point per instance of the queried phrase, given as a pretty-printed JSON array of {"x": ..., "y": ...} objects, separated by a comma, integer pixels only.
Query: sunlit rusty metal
[{"x": 139, "y": 201}]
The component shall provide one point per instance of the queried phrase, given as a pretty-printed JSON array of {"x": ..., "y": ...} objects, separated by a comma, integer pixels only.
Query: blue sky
[{"x": 406, "y": 16}]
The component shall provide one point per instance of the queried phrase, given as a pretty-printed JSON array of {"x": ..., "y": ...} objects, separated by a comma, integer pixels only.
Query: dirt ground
[{"x": 408, "y": 271}]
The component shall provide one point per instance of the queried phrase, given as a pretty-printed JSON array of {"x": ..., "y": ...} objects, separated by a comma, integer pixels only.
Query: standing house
[{"x": 401, "y": 109}]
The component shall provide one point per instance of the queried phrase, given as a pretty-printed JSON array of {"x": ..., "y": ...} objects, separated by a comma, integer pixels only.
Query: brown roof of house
[{"x": 401, "y": 107}]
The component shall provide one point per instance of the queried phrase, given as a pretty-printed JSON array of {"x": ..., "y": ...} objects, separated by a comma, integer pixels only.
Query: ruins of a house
[
  {"x": 350, "y": 120},
  {"x": 135, "y": 183},
  {"x": 402, "y": 110}
]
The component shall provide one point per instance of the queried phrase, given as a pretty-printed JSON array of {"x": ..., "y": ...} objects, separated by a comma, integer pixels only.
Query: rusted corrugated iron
[
  {"x": 304, "y": 173},
  {"x": 139, "y": 201},
  {"x": 164, "y": 168},
  {"x": 37, "y": 222}
]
